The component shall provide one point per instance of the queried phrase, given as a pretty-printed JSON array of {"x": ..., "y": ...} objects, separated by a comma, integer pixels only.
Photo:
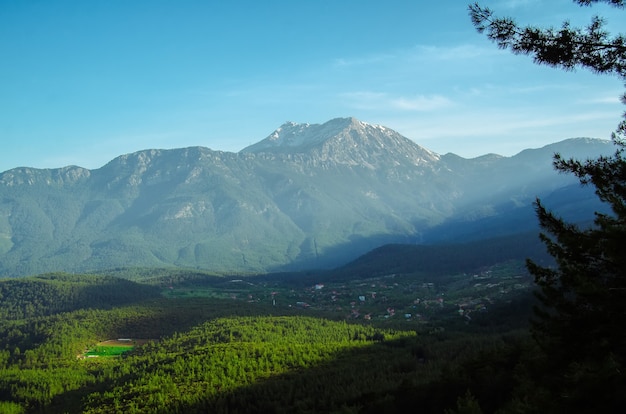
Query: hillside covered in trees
[{"x": 199, "y": 352}]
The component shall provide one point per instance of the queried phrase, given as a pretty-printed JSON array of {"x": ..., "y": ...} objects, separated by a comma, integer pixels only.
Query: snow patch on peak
[
  {"x": 345, "y": 139},
  {"x": 292, "y": 134},
  {"x": 288, "y": 134}
]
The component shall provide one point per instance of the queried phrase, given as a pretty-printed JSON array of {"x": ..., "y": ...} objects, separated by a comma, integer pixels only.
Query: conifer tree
[{"x": 581, "y": 323}]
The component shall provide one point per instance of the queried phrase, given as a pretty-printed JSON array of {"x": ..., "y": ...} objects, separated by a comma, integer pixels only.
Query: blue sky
[{"x": 85, "y": 81}]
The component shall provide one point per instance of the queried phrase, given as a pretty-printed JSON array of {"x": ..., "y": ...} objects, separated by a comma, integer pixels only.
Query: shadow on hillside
[
  {"x": 387, "y": 377},
  {"x": 339, "y": 254},
  {"x": 377, "y": 378},
  {"x": 446, "y": 259},
  {"x": 383, "y": 376},
  {"x": 508, "y": 222}
]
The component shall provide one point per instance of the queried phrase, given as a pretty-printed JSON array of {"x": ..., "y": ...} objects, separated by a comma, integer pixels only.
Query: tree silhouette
[{"x": 580, "y": 325}]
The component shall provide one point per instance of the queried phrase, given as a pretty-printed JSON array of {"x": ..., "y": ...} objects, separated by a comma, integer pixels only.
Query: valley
[
  {"x": 333, "y": 268},
  {"x": 403, "y": 300},
  {"x": 289, "y": 342},
  {"x": 172, "y": 242}
]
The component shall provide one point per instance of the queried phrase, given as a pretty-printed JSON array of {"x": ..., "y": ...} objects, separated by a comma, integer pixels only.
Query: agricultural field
[{"x": 113, "y": 347}]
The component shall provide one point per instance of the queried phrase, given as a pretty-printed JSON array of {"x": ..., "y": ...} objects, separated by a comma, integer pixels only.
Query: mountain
[
  {"x": 443, "y": 260},
  {"x": 345, "y": 141},
  {"x": 306, "y": 196}
]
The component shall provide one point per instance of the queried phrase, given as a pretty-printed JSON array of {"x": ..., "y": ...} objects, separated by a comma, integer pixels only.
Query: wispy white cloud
[
  {"x": 457, "y": 53},
  {"x": 604, "y": 99},
  {"x": 421, "y": 52},
  {"x": 474, "y": 133},
  {"x": 364, "y": 60},
  {"x": 421, "y": 103},
  {"x": 385, "y": 101},
  {"x": 476, "y": 124}
]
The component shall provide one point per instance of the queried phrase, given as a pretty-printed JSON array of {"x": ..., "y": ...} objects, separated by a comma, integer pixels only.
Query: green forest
[
  {"x": 249, "y": 344},
  {"x": 447, "y": 329}
]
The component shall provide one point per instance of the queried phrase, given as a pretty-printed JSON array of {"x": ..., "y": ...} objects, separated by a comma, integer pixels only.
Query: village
[{"x": 397, "y": 298}]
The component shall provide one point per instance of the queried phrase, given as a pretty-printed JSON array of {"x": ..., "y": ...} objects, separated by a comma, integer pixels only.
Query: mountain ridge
[{"x": 320, "y": 203}]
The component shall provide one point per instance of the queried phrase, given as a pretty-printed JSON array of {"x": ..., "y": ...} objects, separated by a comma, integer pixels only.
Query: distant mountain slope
[
  {"x": 445, "y": 259},
  {"x": 306, "y": 196}
]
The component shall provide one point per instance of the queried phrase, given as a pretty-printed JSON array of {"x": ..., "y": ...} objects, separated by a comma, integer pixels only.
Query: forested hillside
[
  {"x": 55, "y": 293},
  {"x": 226, "y": 346},
  {"x": 441, "y": 259}
]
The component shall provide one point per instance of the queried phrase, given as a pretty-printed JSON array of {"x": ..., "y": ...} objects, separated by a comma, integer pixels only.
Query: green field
[{"x": 108, "y": 350}]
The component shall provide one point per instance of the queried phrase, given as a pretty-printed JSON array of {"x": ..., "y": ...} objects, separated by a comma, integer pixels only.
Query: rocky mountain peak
[
  {"x": 344, "y": 141},
  {"x": 292, "y": 136}
]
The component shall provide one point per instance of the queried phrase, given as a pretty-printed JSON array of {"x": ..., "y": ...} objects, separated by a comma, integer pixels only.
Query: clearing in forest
[{"x": 114, "y": 347}]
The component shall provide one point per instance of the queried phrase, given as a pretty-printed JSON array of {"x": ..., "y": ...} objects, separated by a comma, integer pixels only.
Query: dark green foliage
[
  {"x": 466, "y": 404},
  {"x": 567, "y": 47},
  {"x": 255, "y": 362},
  {"x": 445, "y": 259},
  {"x": 584, "y": 298},
  {"x": 212, "y": 355},
  {"x": 580, "y": 325},
  {"x": 54, "y": 293}
]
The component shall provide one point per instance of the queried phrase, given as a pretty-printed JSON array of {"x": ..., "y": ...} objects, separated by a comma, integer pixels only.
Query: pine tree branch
[{"x": 567, "y": 47}]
